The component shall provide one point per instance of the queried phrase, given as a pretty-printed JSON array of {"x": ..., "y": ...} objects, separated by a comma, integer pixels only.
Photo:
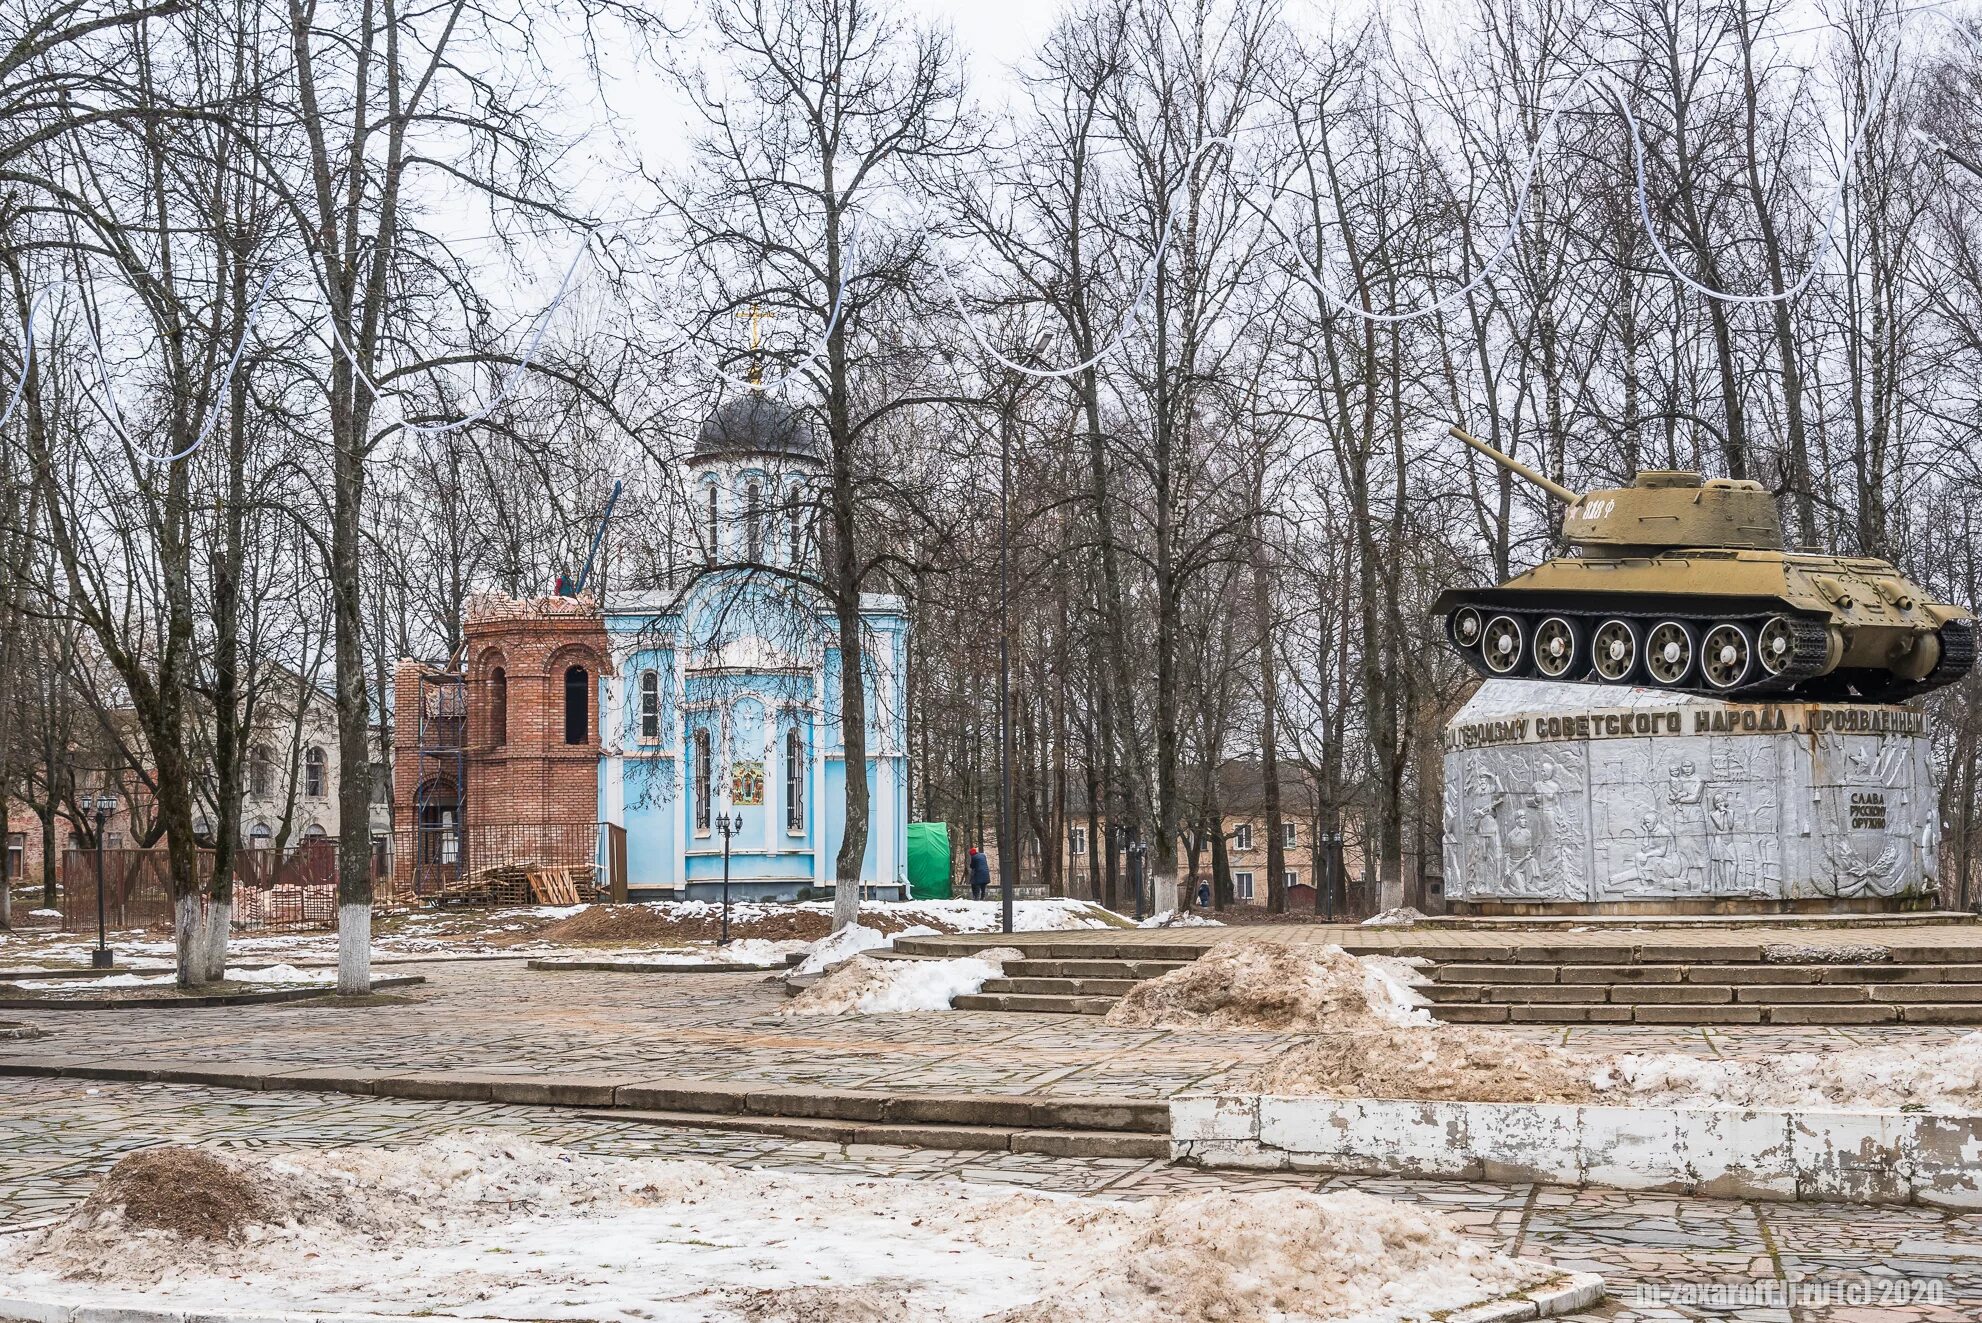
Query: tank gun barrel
[{"x": 1553, "y": 488}]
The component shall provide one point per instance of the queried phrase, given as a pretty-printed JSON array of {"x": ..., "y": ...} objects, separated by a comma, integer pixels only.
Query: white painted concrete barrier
[{"x": 1848, "y": 1156}]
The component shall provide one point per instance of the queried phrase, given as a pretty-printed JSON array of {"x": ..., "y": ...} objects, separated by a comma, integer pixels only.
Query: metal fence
[{"x": 292, "y": 887}]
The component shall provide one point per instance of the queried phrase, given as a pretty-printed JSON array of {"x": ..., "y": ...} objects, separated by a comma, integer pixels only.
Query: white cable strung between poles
[
  {"x": 220, "y": 389},
  {"x": 1598, "y": 79},
  {"x": 1311, "y": 274},
  {"x": 505, "y": 387},
  {"x": 851, "y": 272},
  {"x": 1129, "y": 316},
  {"x": 27, "y": 357},
  {"x": 1825, "y": 240}
]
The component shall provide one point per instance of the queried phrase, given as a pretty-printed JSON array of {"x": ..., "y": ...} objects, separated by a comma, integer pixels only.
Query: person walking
[{"x": 979, "y": 871}]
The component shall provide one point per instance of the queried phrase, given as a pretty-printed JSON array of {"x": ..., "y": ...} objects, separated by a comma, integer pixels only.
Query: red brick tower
[{"x": 524, "y": 747}]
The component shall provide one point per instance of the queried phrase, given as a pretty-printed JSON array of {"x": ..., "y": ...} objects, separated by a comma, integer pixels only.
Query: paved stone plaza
[{"x": 56, "y": 1134}]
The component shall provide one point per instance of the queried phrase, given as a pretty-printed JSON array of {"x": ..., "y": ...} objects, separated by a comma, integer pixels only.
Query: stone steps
[
  {"x": 1692, "y": 992},
  {"x": 1693, "y": 1015},
  {"x": 1063, "y": 987},
  {"x": 1037, "y": 1003}
]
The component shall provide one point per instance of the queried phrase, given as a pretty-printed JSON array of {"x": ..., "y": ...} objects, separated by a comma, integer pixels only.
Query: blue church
[{"x": 720, "y": 695}]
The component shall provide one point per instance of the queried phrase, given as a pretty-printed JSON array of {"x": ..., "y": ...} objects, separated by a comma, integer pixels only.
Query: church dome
[{"x": 755, "y": 424}]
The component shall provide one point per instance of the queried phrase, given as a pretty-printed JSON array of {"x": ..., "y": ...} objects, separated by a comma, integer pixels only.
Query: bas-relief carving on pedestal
[{"x": 1552, "y": 794}]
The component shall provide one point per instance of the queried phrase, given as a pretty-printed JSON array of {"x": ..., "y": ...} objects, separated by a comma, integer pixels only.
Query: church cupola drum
[{"x": 1682, "y": 582}]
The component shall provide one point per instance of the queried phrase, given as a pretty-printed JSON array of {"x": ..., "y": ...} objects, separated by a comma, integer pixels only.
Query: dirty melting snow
[
  {"x": 1461, "y": 1063},
  {"x": 1939, "y": 1077},
  {"x": 499, "y": 1227},
  {"x": 1268, "y": 985},
  {"x": 872, "y": 986}
]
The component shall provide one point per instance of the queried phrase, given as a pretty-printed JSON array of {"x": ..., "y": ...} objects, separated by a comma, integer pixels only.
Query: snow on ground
[
  {"x": 267, "y": 974},
  {"x": 1267, "y": 985},
  {"x": 1179, "y": 919},
  {"x": 499, "y": 1227},
  {"x": 1401, "y": 917},
  {"x": 872, "y": 986},
  {"x": 1938, "y": 1077},
  {"x": 1428, "y": 1060},
  {"x": 845, "y": 944},
  {"x": 674, "y": 927}
]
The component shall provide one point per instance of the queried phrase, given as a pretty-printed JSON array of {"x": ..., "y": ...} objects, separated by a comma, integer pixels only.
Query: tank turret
[{"x": 1683, "y": 582}]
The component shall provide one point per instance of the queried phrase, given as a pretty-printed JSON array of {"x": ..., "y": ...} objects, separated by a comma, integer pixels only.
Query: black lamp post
[
  {"x": 104, "y": 805},
  {"x": 1331, "y": 868},
  {"x": 1137, "y": 852},
  {"x": 729, "y": 824}
]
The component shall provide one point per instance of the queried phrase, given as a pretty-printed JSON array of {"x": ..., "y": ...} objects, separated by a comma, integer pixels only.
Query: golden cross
[{"x": 756, "y": 317}]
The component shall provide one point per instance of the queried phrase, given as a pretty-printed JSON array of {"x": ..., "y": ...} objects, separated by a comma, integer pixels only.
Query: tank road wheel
[
  {"x": 1466, "y": 627},
  {"x": 1558, "y": 647},
  {"x": 1501, "y": 645},
  {"x": 1669, "y": 653},
  {"x": 1614, "y": 650},
  {"x": 1726, "y": 656},
  {"x": 1775, "y": 647}
]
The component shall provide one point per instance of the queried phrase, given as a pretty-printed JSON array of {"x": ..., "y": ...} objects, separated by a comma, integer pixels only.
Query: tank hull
[{"x": 1720, "y": 622}]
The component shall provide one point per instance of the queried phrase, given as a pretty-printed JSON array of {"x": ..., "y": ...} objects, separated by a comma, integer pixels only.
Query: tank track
[
  {"x": 1804, "y": 676},
  {"x": 1957, "y": 660}
]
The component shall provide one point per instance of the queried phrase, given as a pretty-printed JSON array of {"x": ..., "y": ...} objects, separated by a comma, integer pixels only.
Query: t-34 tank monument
[
  {"x": 1683, "y": 715},
  {"x": 1682, "y": 582}
]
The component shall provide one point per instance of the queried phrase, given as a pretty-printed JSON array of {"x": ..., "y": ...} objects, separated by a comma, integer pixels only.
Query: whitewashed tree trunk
[
  {"x": 216, "y": 919},
  {"x": 188, "y": 934},
  {"x": 354, "y": 949}
]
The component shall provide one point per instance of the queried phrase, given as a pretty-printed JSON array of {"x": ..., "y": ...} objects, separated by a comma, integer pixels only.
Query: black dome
[{"x": 755, "y": 424}]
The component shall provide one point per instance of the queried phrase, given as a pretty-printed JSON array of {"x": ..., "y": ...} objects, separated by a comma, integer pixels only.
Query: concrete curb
[
  {"x": 1091, "y": 1127},
  {"x": 1860, "y": 1157},
  {"x": 1566, "y": 1295},
  {"x": 604, "y": 965},
  {"x": 273, "y": 995}
]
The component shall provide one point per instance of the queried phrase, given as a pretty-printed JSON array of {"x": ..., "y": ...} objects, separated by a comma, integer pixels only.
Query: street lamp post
[
  {"x": 729, "y": 824},
  {"x": 1137, "y": 853},
  {"x": 104, "y": 805},
  {"x": 1331, "y": 868}
]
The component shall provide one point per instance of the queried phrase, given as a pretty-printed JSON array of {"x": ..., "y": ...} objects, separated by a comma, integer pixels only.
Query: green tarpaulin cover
[{"x": 929, "y": 860}]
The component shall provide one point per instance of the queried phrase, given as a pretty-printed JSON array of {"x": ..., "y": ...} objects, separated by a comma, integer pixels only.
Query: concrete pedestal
[{"x": 1567, "y": 798}]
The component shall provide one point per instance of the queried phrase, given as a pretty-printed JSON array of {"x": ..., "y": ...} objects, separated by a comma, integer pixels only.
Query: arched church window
[
  {"x": 498, "y": 707},
  {"x": 794, "y": 781},
  {"x": 710, "y": 529},
  {"x": 795, "y": 532},
  {"x": 705, "y": 779},
  {"x": 577, "y": 705},
  {"x": 650, "y": 705},
  {"x": 313, "y": 773},
  {"x": 261, "y": 771},
  {"x": 753, "y": 522}
]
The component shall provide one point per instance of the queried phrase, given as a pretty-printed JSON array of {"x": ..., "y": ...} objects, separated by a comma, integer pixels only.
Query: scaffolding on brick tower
[{"x": 440, "y": 800}]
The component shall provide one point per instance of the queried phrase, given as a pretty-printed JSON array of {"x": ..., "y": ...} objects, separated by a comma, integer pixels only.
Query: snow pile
[
  {"x": 1266, "y": 985},
  {"x": 872, "y": 986},
  {"x": 44, "y": 914},
  {"x": 1179, "y": 919},
  {"x": 842, "y": 945},
  {"x": 504, "y": 1228},
  {"x": 1943, "y": 1077},
  {"x": 1459, "y": 1063},
  {"x": 1442, "y": 1062},
  {"x": 756, "y": 951},
  {"x": 1403, "y": 916}
]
